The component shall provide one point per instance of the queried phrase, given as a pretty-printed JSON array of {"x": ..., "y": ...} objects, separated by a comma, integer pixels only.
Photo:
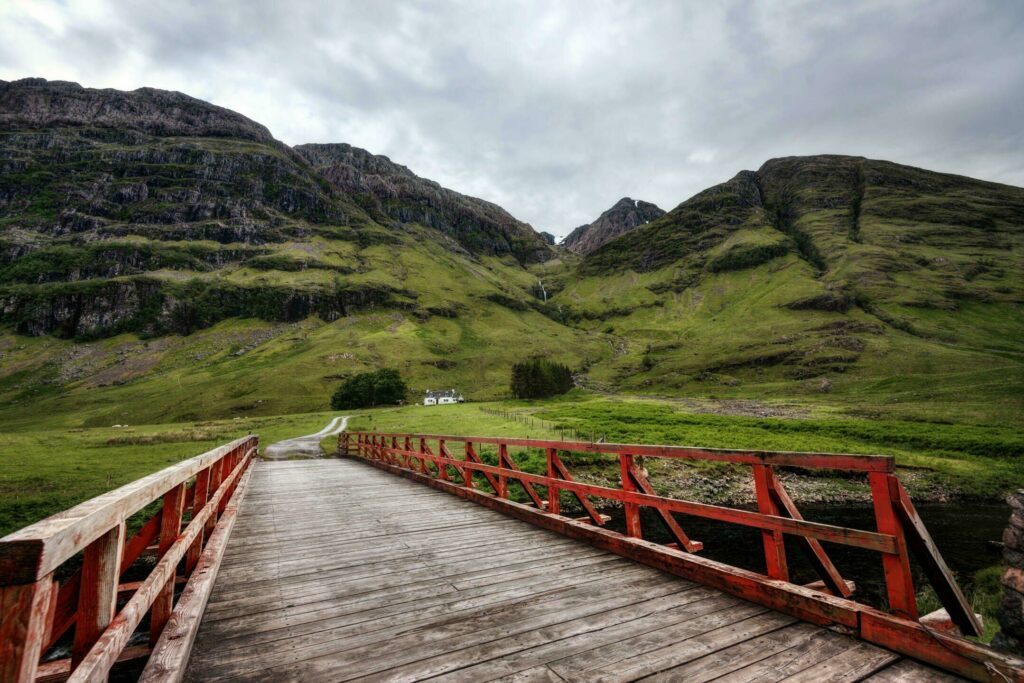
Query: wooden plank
[
  {"x": 899, "y": 582},
  {"x": 774, "y": 544},
  {"x": 36, "y": 550},
  {"x": 820, "y": 647},
  {"x": 804, "y": 603},
  {"x": 854, "y": 664},
  {"x": 97, "y": 592},
  {"x": 170, "y": 654},
  {"x": 631, "y": 510},
  {"x": 24, "y": 612},
  {"x": 954, "y": 654},
  {"x": 909, "y": 671},
  {"x": 202, "y": 492},
  {"x": 717, "y": 663},
  {"x": 930, "y": 559}
]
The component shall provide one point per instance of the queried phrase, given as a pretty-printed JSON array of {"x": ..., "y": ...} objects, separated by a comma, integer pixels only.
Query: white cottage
[{"x": 445, "y": 397}]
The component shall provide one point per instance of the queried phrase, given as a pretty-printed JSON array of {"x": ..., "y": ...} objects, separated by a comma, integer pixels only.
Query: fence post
[
  {"x": 899, "y": 582},
  {"x": 502, "y": 463},
  {"x": 632, "y": 510},
  {"x": 467, "y": 473},
  {"x": 774, "y": 543},
  {"x": 554, "y": 502},
  {"x": 202, "y": 492},
  {"x": 24, "y": 616},
  {"x": 442, "y": 466},
  {"x": 97, "y": 593},
  {"x": 170, "y": 527},
  {"x": 343, "y": 444}
]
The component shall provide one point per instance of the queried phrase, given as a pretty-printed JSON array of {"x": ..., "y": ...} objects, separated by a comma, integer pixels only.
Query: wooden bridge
[{"x": 224, "y": 567}]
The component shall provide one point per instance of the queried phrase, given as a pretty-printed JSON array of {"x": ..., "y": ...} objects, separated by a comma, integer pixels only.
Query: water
[{"x": 962, "y": 532}]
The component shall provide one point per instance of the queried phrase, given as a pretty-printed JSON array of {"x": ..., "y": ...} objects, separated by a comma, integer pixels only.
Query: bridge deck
[{"x": 338, "y": 571}]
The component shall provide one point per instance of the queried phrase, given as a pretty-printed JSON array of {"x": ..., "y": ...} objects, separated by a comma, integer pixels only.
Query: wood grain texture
[{"x": 336, "y": 571}]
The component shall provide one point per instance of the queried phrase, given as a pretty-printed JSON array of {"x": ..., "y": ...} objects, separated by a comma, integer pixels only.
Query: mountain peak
[{"x": 625, "y": 215}]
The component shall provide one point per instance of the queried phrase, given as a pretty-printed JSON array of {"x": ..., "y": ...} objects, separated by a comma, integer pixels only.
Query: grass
[{"x": 49, "y": 470}]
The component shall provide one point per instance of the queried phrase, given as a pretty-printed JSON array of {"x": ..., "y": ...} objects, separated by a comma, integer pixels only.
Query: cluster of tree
[
  {"x": 539, "y": 377},
  {"x": 367, "y": 389}
]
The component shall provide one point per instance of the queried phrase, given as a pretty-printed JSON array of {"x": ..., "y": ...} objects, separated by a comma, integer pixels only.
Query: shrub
[
  {"x": 538, "y": 378},
  {"x": 368, "y": 389}
]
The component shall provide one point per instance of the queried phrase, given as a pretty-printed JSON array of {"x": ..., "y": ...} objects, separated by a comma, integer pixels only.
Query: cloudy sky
[{"x": 557, "y": 109}]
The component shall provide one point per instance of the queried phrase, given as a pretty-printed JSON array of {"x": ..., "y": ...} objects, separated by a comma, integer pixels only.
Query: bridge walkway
[{"x": 338, "y": 571}]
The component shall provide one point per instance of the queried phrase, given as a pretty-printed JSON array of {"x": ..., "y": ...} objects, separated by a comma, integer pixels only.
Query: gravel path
[{"x": 304, "y": 446}]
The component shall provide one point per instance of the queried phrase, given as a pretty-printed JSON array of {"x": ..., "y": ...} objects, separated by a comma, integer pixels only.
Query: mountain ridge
[{"x": 174, "y": 258}]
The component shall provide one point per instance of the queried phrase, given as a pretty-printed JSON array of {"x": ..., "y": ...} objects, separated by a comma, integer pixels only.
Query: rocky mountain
[
  {"x": 812, "y": 267},
  {"x": 391, "y": 192},
  {"x": 625, "y": 215},
  {"x": 161, "y": 253},
  {"x": 154, "y": 212}
]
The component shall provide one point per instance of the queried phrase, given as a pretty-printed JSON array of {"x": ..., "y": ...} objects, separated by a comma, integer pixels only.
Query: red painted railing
[
  {"x": 38, "y": 610},
  {"x": 430, "y": 459}
]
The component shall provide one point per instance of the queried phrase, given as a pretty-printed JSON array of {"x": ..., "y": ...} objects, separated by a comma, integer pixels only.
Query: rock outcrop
[
  {"x": 624, "y": 216},
  {"x": 1011, "y": 610},
  {"x": 39, "y": 103},
  {"x": 387, "y": 190}
]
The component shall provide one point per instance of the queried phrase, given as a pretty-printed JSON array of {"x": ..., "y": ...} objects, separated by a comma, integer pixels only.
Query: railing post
[
  {"x": 774, "y": 543},
  {"x": 502, "y": 463},
  {"x": 97, "y": 593},
  {"x": 442, "y": 467},
  {"x": 899, "y": 582},
  {"x": 423, "y": 461},
  {"x": 170, "y": 527},
  {"x": 202, "y": 493},
  {"x": 632, "y": 510},
  {"x": 467, "y": 473},
  {"x": 343, "y": 443},
  {"x": 554, "y": 502},
  {"x": 24, "y": 616}
]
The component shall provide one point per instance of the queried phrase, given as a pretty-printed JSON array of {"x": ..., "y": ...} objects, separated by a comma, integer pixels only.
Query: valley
[{"x": 166, "y": 262}]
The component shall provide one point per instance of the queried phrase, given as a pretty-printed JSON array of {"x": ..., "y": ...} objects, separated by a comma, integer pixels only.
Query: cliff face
[
  {"x": 391, "y": 192},
  {"x": 624, "y": 216},
  {"x": 155, "y": 212},
  {"x": 38, "y": 103}
]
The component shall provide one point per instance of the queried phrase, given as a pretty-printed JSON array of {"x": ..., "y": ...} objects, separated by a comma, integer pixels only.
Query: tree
[
  {"x": 539, "y": 378},
  {"x": 367, "y": 389}
]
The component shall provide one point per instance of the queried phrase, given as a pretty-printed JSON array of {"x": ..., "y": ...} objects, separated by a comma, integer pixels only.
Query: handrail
[
  {"x": 38, "y": 610},
  {"x": 429, "y": 459},
  {"x": 830, "y": 461}
]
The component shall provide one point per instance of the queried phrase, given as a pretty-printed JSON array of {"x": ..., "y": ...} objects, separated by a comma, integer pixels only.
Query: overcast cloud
[{"x": 557, "y": 109}]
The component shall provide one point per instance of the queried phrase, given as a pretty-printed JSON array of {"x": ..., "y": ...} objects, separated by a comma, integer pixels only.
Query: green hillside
[{"x": 162, "y": 260}]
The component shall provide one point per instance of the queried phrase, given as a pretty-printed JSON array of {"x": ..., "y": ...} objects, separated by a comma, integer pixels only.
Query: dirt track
[{"x": 304, "y": 446}]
